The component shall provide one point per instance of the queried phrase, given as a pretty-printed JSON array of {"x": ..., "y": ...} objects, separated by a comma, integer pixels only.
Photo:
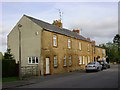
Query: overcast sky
[{"x": 97, "y": 20}]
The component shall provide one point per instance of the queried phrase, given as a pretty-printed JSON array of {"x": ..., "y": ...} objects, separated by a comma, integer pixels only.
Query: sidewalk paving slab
[{"x": 35, "y": 79}]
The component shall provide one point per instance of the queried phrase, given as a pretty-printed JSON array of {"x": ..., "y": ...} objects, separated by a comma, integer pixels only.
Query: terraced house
[{"x": 51, "y": 47}]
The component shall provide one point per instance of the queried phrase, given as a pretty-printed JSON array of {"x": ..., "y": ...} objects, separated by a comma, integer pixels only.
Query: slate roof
[{"x": 53, "y": 28}]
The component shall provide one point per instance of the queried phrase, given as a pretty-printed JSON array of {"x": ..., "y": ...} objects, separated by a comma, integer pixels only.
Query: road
[{"x": 104, "y": 79}]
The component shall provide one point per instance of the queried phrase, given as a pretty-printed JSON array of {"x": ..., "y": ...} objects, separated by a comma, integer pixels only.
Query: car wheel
[
  {"x": 87, "y": 71},
  {"x": 100, "y": 69},
  {"x": 97, "y": 69}
]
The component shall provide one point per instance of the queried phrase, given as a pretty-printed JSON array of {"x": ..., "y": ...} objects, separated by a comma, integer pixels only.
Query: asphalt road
[{"x": 104, "y": 79}]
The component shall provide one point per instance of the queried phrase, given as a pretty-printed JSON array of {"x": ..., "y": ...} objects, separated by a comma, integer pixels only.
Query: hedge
[{"x": 9, "y": 68}]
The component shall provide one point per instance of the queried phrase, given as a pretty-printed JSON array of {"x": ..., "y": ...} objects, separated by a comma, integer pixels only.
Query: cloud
[{"x": 102, "y": 31}]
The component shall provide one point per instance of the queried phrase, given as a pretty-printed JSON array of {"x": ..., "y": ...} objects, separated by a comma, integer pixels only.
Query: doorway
[{"x": 47, "y": 65}]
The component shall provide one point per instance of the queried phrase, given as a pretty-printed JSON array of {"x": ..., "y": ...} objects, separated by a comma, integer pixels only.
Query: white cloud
[{"x": 104, "y": 30}]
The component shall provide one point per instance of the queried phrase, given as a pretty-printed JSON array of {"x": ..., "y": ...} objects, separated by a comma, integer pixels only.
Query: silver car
[{"x": 93, "y": 66}]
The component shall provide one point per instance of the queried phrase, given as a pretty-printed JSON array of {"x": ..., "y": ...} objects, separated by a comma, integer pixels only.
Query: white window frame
[
  {"x": 64, "y": 61},
  {"x": 83, "y": 59},
  {"x": 80, "y": 46},
  {"x": 103, "y": 51},
  {"x": 55, "y": 40},
  {"x": 80, "y": 60},
  {"x": 70, "y": 60},
  {"x": 55, "y": 59},
  {"x": 69, "y": 43},
  {"x": 88, "y": 47},
  {"x": 31, "y": 62},
  {"x": 98, "y": 50},
  {"x": 88, "y": 58}
]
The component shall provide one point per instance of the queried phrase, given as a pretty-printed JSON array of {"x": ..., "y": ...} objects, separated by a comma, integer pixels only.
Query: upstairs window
[
  {"x": 80, "y": 46},
  {"x": 54, "y": 40},
  {"x": 103, "y": 51},
  {"x": 64, "y": 61},
  {"x": 55, "y": 61},
  {"x": 69, "y": 43},
  {"x": 98, "y": 51},
  {"x": 94, "y": 50},
  {"x": 70, "y": 60},
  {"x": 33, "y": 60},
  {"x": 88, "y": 47}
]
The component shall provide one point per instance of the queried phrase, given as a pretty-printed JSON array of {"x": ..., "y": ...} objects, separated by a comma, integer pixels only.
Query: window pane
[
  {"x": 36, "y": 59},
  {"x": 70, "y": 60},
  {"x": 54, "y": 40},
  {"x": 33, "y": 59},
  {"x": 80, "y": 45},
  {"x": 64, "y": 60},
  {"x": 88, "y": 59},
  {"x": 80, "y": 59},
  {"x": 83, "y": 60},
  {"x": 69, "y": 43},
  {"x": 29, "y": 60},
  {"x": 55, "y": 61},
  {"x": 88, "y": 47}
]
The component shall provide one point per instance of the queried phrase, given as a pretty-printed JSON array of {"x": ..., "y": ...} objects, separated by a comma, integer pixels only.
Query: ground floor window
[
  {"x": 33, "y": 60},
  {"x": 83, "y": 59},
  {"x": 55, "y": 61},
  {"x": 64, "y": 61},
  {"x": 80, "y": 60},
  {"x": 88, "y": 59},
  {"x": 70, "y": 60}
]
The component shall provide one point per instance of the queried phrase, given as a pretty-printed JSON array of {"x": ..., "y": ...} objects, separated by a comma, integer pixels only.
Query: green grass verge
[{"x": 10, "y": 79}]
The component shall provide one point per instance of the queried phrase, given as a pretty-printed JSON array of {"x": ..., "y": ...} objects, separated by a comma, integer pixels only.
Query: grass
[{"x": 10, "y": 79}]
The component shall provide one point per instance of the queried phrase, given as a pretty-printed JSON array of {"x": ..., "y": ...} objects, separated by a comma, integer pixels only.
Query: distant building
[{"x": 53, "y": 48}]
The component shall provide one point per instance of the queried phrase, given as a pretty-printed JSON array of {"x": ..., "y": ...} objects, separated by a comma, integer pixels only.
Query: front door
[{"x": 47, "y": 65}]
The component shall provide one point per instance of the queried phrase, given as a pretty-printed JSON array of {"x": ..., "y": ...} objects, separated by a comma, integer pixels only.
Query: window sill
[
  {"x": 65, "y": 66},
  {"x": 55, "y": 46},
  {"x": 33, "y": 63},
  {"x": 55, "y": 66}
]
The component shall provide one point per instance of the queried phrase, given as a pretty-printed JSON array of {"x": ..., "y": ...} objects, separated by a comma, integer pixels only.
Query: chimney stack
[
  {"x": 88, "y": 39},
  {"x": 57, "y": 23},
  {"x": 93, "y": 42},
  {"x": 76, "y": 31}
]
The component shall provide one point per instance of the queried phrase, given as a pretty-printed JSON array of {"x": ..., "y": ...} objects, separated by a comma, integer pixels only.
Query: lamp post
[{"x": 19, "y": 26}]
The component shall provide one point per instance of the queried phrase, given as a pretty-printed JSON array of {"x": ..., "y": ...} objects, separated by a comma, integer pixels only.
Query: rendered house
[{"x": 50, "y": 47}]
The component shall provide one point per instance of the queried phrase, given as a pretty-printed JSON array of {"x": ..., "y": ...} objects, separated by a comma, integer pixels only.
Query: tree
[
  {"x": 8, "y": 55},
  {"x": 111, "y": 51},
  {"x": 116, "y": 42},
  {"x": 1, "y": 56}
]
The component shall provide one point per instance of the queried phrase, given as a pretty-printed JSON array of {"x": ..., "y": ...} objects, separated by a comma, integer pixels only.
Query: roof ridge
[{"x": 56, "y": 29}]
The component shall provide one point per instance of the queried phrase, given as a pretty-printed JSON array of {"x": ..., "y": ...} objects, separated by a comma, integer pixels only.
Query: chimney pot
[
  {"x": 76, "y": 30},
  {"x": 57, "y": 23}
]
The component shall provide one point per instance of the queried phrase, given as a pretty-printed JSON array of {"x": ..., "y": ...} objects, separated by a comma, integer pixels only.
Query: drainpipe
[{"x": 19, "y": 26}]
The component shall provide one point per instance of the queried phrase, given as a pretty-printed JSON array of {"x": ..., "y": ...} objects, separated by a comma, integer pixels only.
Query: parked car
[
  {"x": 107, "y": 64},
  {"x": 104, "y": 64},
  {"x": 93, "y": 66}
]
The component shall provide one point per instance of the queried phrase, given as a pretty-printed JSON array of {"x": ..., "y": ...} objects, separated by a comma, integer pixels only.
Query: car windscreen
[{"x": 92, "y": 63}]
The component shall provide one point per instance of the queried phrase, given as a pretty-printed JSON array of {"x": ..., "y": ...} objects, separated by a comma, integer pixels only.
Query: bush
[{"x": 9, "y": 68}]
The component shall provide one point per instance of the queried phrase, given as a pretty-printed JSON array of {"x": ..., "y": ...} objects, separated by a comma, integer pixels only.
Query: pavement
[{"x": 36, "y": 79}]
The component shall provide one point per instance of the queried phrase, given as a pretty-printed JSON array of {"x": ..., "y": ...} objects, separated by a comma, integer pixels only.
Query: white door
[{"x": 47, "y": 66}]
